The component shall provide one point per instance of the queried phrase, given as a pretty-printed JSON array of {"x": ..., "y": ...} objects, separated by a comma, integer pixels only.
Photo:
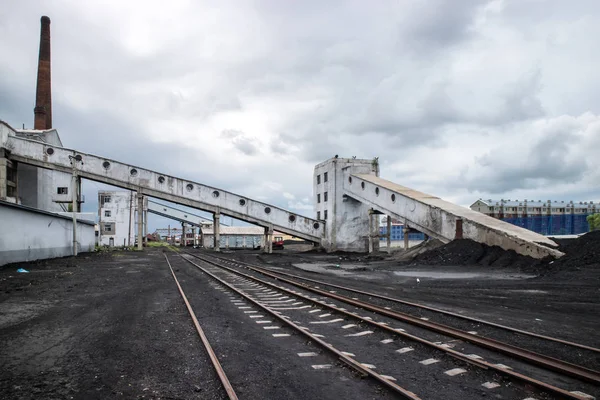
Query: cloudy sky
[{"x": 459, "y": 98}]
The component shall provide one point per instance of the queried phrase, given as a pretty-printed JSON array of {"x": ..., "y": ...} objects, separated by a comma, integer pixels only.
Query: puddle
[
  {"x": 342, "y": 270},
  {"x": 531, "y": 291},
  {"x": 461, "y": 275}
]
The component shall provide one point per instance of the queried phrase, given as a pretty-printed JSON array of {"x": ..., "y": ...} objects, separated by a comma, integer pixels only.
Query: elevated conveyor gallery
[
  {"x": 443, "y": 220},
  {"x": 176, "y": 214},
  {"x": 161, "y": 186}
]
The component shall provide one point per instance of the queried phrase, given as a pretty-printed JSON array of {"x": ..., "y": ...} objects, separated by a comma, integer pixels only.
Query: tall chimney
[{"x": 43, "y": 98}]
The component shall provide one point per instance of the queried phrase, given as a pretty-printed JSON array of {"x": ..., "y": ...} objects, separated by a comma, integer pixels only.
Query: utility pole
[{"x": 74, "y": 161}]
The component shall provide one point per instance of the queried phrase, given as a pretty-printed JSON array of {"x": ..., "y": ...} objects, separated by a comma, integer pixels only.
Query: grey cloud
[
  {"x": 548, "y": 162},
  {"x": 439, "y": 23},
  {"x": 231, "y": 133},
  {"x": 352, "y": 79},
  {"x": 245, "y": 145},
  {"x": 241, "y": 141}
]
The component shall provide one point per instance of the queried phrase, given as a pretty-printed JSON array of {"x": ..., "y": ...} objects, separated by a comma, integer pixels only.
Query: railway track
[
  {"x": 424, "y": 307},
  {"x": 213, "y": 358},
  {"x": 548, "y": 390},
  {"x": 569, "y": 367}
]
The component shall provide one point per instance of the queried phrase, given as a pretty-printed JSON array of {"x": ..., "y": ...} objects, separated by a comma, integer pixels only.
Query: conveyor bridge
[
  {"x": 443, "y": 220},
  {"x": 161, "y": 186}
]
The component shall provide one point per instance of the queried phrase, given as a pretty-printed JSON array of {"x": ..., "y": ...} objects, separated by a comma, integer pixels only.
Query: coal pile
[
  {"x": 581, "y": 260},
  {"x": 469, "y": 252}
]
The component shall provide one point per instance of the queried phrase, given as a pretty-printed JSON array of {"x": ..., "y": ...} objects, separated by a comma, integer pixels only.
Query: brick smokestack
[{"x": 43, "y": 98}]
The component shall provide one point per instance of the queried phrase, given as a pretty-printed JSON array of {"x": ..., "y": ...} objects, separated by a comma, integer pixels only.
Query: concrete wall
[
  {"x": 347, "y": 222},
  {"x": 28, "y": 234}
]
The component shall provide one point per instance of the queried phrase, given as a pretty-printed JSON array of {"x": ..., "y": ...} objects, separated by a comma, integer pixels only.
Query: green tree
[{"x": 594, "y": 222}]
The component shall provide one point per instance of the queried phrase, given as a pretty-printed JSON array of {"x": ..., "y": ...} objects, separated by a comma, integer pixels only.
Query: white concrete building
[
  {"x": 40, "y": 188},
  {"x": 347, "y": 220},
  {"x": 116, "y": 215},
  {"x": 235, "y": 237},
  {"x": 31, "y": 234}
]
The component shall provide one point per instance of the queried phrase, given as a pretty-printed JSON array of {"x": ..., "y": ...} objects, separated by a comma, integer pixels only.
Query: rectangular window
[
  {"x": 325, "y": 197},
  {"x": 11, "y": 173},
  {"x": 318, "y": 214},
  {"x": 325, "y": 178},
  {"x": 109, "y": 229},
  {"x": 318, "y": 197},
  {"x": 62, "y": 190},
  {"x": 107, "y": 213},
  {"x": 11, "y": 191},
  {"x": 318, "y": 179},
  {"x": 325, "y": 214},
  {"x": 104, "y": 199}
]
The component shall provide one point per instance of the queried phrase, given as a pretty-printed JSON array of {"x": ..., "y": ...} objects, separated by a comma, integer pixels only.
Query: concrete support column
[
  {"x": 389, "y": 234},
  {"x": 140, "y": 215},
  {"x": 74, "y": 206},
  {"x": 371, "y": 244},
  {"x": 268, "y": 247},
  {"x": 216, "y": 231},
  {"x": 3, "y": 174},
  {"x": 405, "y": 230},
  {"x": 183, "y": 241},
  {"x": 265, "y": 240},
  {"x": 145, "y": 220},
  {"x": 194, "y": 242}
]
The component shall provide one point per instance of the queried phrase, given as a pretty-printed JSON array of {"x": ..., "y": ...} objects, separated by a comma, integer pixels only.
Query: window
[
  {"x": 107, "y": 213},
  {"x": 318, "y": 179},
  {"x": 318, "y": 214},
  {"x": 104, "y": 199},
  {"x": 11, "y": 173},
  {"x": 325, "y": 178},
  {"x": 62, "y": 190},
  {"x": 325, "y": 214},
  {"x": 318, "y": 197},
  {"x": 325, "y": 199},
  {"x": 109, "y": 228}
]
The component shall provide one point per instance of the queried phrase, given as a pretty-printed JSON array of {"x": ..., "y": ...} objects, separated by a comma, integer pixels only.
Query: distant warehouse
[{"x": 544, "y": 217}]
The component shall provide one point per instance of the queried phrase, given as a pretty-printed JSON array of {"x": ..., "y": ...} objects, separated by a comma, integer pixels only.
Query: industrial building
[
  {"x": 116, "y": 218},
  {"x": 37, "y": 203},
  {"x": 397, "y": 233},
  {"x": 551, "y": 217},
  {"x": 236, "y": 237}
]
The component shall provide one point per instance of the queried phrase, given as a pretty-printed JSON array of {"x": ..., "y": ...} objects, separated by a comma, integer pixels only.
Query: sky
[{"x": 463, "y": 99}]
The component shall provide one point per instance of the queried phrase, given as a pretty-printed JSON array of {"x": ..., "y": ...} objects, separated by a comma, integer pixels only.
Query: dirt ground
[
  {"x": 112, "y": 325},
  {"x": 558, "y": 298}
]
